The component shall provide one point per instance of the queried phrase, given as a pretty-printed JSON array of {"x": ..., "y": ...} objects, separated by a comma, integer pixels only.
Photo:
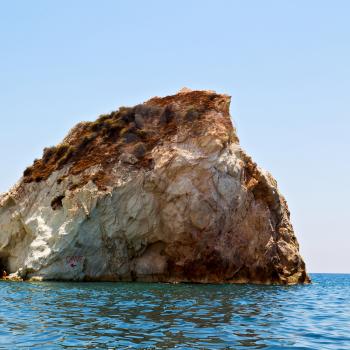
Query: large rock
[{"x": 158, "y": 192}]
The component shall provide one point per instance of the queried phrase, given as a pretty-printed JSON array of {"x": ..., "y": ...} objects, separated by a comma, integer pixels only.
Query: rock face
[{"x": 158, "y": 192}]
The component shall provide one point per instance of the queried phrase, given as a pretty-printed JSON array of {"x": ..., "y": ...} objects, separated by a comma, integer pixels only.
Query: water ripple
[{"x": 163, "y": 316}]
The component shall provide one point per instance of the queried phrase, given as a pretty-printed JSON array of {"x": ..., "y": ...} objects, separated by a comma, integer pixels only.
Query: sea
[{"x": 59, "y": 315}]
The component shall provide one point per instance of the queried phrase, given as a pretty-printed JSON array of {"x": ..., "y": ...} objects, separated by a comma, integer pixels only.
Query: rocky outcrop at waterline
[{"x": 158, "y": 192}]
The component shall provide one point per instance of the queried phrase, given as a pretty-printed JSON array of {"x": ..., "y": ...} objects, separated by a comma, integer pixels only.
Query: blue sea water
[{"x": 56, "y": 315}]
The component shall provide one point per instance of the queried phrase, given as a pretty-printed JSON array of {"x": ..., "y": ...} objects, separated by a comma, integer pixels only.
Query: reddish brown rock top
[{"x": 132, "y": 130}]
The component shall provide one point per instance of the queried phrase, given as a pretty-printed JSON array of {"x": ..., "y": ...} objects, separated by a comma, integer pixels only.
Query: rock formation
[{"x": 158, "y": 192}]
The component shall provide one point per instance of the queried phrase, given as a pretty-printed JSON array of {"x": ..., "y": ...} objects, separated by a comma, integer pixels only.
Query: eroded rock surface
[{"x": 158, "y": 192}]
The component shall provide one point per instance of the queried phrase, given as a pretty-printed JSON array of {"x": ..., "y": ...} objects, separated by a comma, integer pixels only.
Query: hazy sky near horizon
[{"x": 286, "y": 65}]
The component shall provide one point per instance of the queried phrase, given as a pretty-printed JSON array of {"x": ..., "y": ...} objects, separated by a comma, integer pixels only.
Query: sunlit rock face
[{"x": 158, "y": 192}]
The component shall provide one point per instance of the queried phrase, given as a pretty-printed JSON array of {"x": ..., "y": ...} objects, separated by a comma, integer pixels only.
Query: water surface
[{"x": 54, "y": 315}]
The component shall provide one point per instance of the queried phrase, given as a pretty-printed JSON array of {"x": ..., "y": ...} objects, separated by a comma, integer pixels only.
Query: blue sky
[{"x": 286, "y": 65}]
